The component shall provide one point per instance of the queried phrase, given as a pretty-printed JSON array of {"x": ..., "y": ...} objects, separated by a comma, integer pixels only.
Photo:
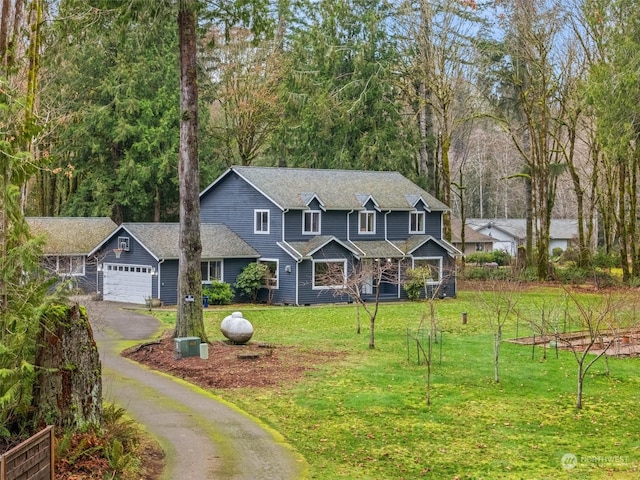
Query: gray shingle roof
[
  {"x": 470, "y": 235},
  {"x": 412, "y": 243},
  {"x": 362, "y": 249},
  {"x": 71, "y": 235},
  {"x": 378, "y": 249},
  {"x": 218, "y": 241},
  {"x": 560, "y": 228},
  {"x": 336, "y": 189}
]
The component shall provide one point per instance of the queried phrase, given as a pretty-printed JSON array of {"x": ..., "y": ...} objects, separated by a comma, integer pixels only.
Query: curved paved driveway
[{"x": 202, "y": 437}]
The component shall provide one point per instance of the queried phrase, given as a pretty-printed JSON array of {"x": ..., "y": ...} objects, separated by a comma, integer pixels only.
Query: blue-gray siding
[
  {"x": 232, "y": 202},
  {"x": 168, "y": 279}
]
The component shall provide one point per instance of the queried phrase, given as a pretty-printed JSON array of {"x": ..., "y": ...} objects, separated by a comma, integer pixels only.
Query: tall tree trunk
[
  {"x": 426, "y": 160},
  {"x": 4, "y": 31},
  {"x": 189, "y": 322},
  {"x": 68, "y": 389},
  {"x": 632, "y": 216},
  {"x": 424, "y": 129},
  {"x": 446, "y": 182},
  {"x": 621, "y": 224}
]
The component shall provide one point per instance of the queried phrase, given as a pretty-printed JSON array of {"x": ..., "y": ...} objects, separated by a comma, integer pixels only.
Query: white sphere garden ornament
[{"x": 236, "y": 328}]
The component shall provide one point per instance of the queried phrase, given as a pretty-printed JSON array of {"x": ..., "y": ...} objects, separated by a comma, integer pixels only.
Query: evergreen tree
[
  {"x": 112, "y": 89},
  {"x": 341, "y": 104}
]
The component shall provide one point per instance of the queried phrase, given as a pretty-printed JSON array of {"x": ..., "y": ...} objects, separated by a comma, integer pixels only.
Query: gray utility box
[{"x": 187, "y": 346}]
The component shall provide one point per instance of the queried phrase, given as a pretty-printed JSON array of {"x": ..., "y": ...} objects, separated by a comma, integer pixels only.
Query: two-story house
[{"x": 300, "y": 220}]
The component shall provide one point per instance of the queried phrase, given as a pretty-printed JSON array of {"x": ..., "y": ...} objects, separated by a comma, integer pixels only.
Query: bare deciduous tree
[
  {"x": 598, "y": 320},
  {"x": 360, "y": 276},
  {"x": 500, "y": 299}
]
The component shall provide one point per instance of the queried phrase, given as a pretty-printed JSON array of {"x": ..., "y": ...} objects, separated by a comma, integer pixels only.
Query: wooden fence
[{"x": 31, "y": 460}]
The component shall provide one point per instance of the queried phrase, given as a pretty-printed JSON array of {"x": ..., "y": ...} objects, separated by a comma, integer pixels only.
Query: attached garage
[
  {"x": 139, "y": 261},
  {"x": 127, "y": 283}
]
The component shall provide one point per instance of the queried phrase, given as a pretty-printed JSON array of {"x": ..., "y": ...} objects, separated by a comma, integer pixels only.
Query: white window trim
[
  {"x": 277, "y": 272},
  {"x": 255, "y": 222},
  {"x": 424, "y": 218},
  {"x": 208, "y": 281},
  {"x": 433, "y": 282},
  {"x": 328, "y": 287},
  {"x": 305, "y": 230},
  {"x": 373, "y": 223},
  {"x": 70, "y": 274}
]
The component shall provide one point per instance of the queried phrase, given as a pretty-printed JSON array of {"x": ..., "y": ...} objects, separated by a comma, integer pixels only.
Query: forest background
[{"x": 522, "y": 108}]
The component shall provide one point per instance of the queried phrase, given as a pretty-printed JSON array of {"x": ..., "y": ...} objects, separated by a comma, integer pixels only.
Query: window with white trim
[
  {"x": 416, "y": 222},
  {"x": 367, "y": 222},
  {"x": 261, "y": 221},
  {"x": 66, "y": 265},
  {"x": 273, "y": 280},
  {"x": 329, "y": 274},
  {"x": 434, "y": 264},
  {"x": 311, "y": 222},
  {"x": 211, "y": 271}
]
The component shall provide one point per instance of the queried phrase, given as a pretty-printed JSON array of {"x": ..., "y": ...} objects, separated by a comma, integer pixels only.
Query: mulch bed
[{"x": 232, "y": 366}]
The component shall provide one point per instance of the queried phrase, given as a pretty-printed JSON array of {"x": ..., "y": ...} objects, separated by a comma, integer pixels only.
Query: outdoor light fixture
[{"x": 99, "y": 267}]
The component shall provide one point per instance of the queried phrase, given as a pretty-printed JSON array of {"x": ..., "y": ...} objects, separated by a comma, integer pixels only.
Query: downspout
[
  {"x": 97, "y": 275},
  {"x": 283, "y": 214},
  {"x": 385, "y": 225},
  {"x": 349, "y": 226},
  {"x": 159, "y": 283}
]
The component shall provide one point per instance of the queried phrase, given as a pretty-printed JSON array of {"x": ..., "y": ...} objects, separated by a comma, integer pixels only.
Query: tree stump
[{"x": 68, "y": 388}]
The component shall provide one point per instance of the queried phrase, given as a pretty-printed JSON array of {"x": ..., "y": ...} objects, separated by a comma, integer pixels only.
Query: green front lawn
[{"x": 365, "y": 416}]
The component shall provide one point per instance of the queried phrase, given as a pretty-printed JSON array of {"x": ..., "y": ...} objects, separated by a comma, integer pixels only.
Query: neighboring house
[
  {"x": 138, "y": 261},
  {"x": 67, "y": 244},
  {"x": 301, "y": 220},
  {"x": 474, "y": 242},
  {"x": 510, "y": 233}
]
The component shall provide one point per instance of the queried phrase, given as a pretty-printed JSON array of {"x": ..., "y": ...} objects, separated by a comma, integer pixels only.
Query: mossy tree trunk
[
  {"x": 189, "y": 321},
  {"x": 68, "y": 388}
]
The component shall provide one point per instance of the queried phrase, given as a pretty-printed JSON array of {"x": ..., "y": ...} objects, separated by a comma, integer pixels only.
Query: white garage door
[{"x": 126, "y": 283}]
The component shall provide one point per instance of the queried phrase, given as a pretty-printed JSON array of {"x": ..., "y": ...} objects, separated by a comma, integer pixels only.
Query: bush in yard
[
  {"x": 416, "y": 278},
  {"x": 219, "y": 293},
  {"x": 479, "y": 258},
  {"x": 252, "y": 278},
  {"x": 572, "y": 275},
  {"x": 602, "y": 259},
  {"x": 500, "y": 257}
]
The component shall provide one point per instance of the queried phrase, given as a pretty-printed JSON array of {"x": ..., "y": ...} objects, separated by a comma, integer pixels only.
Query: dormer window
[
  {"x": 367, "y": 222},
  {"x": 416, "y": 222},
  {"x": 261, "y": 221},
  {"x": 311, "y": 222}
]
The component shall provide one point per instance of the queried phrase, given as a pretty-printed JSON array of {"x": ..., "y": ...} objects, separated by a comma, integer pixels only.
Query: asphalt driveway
[{"x": 202, "y": 437}]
